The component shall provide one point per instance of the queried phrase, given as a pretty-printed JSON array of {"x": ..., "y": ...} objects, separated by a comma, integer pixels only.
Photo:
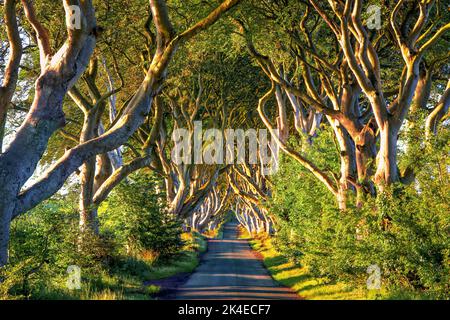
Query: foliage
[
  {"x": 135, "y": 216},
  {"x": 45, "y": 242},
  {"x": 404, "y": 230},
  {"x": 294, "y": 275}
]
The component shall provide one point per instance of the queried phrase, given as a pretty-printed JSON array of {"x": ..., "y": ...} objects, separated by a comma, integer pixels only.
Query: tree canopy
[{"x": 96, "y": 98}]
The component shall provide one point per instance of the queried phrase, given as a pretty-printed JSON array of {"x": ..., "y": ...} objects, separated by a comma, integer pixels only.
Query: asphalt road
[{"x": 231, "y": 270}]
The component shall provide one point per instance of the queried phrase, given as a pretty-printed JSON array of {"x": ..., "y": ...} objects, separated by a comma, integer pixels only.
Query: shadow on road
[{"x": 231, "y": 270}]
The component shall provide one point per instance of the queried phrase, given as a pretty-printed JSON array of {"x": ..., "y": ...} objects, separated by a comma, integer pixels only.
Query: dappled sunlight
[
  {"x": 234, "y": 255},
  {"x": 231, "y": 149},
  {"x": 300, "y": 280},
  {"x": 231, "y": 270}
]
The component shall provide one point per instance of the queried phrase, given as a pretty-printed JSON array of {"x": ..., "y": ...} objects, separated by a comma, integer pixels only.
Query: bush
[
  {"x": 405, "y": 230},
  {"x": 135, "y": 215},
  {"x": 44, "y": 243}
]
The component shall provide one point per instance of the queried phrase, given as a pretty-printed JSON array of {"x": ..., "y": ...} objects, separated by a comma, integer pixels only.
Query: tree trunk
[
  {"x": 88, "y": 213},
  {"x": 20, "y": 159},
  {"x": 387, "y": 172},
  {"x": 5, "y": 222},
  {"x": 365, "y": 153},
  {"x": 282, "y": 122},
  {"x": 347, "y": 160},
  {"x": 438, "y": 113}
]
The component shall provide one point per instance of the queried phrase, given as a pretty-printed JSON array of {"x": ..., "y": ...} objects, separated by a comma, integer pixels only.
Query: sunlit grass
[
  {"x": 216, "y": 233},
  {"x": 297, "y": 277},
  {"x": 126, "y": 281},
  {"x": 310, "y": 287},
  {"x": 184, "y": 263}
]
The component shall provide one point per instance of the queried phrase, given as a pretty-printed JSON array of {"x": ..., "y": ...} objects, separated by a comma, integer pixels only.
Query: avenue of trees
[{"x": 355, "y": 94}]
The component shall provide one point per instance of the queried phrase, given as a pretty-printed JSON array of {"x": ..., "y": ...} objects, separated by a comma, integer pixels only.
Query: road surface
[{"x": 231, "y": 270}]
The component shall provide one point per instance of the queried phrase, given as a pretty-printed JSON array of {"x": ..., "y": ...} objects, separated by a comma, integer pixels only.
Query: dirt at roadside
[{"x": 168, "y": 286}]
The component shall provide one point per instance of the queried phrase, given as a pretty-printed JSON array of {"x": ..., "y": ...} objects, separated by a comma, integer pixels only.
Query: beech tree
[
  {"x": 210, "y": 213},
  {"x": 251, "y": 190},
  {"x": 59, "y": 72},
  {"x": 342, "y": 79},
  {"x": 356, "y": 94}
]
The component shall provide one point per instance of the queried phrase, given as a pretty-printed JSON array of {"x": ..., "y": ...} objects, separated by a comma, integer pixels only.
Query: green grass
[
  {"x": 217, "y": 233},
  {"x": 185, "y": 263},
  {"x": 125, "y": 280},
  {"x": 299, "y": 279},
  {"x": 310, "y": 287}
]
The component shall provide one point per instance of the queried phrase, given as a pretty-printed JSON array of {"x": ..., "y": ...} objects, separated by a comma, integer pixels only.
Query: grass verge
[
  {"x": 310, "y": 287},
  {"x": 298, "y": 278},
  {"x": 126, "y": 278}
]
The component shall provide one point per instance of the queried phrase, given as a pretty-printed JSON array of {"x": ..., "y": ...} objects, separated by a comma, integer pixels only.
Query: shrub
[
  {"x": 44, "y": 243},
  {"x": 405, "y": 230},
  {"x": 135, "y": 215}
]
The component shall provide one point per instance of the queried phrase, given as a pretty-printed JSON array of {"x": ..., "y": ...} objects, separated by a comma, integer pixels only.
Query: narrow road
[{"x": 231, "y": 270}]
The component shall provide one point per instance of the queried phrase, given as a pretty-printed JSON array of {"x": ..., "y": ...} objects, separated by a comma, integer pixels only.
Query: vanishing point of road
[{"x": 231, "y": 270}]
